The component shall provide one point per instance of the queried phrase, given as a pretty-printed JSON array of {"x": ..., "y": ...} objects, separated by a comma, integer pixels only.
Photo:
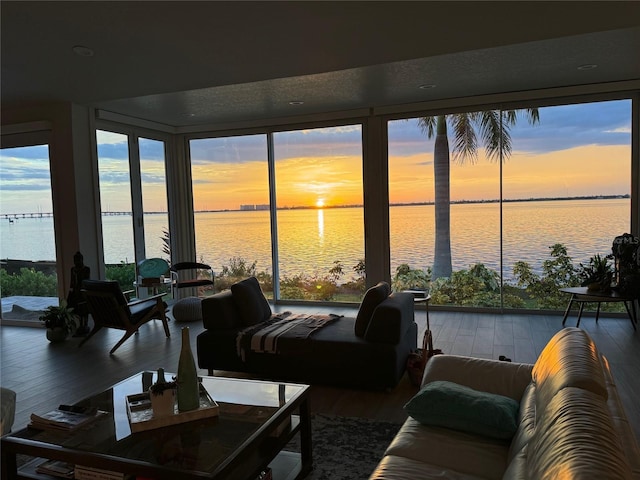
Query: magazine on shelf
[
  {"x": 65, "y": 418},
  {"x": 90, "y": 473},
  {"x": 56, "y": 468}
]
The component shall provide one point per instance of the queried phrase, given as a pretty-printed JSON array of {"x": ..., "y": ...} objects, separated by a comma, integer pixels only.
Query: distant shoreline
[
  {"x": 453, "y": 202},
  {"x": 326, "y": 207}
]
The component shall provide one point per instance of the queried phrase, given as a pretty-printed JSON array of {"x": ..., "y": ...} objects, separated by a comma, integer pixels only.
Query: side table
[
  {"x": 581, "y": 295},
  {"x": 421, "y": 296}
]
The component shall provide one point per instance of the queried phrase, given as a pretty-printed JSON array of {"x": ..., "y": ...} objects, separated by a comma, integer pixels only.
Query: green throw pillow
[{"x": 447, "y": 404}]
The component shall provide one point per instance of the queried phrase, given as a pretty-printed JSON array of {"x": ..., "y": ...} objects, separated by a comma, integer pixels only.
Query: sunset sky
[{"x": 575, "y": 150}]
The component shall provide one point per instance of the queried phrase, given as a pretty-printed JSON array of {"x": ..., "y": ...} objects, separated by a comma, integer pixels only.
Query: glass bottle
[{"x": 188, "y": 388}]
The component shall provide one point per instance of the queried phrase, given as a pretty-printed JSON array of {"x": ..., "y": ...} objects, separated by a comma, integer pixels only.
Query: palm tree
[{"x": 493, "y": 127}]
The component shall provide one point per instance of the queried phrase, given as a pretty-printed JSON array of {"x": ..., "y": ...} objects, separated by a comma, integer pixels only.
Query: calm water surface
[{"x": 312, "y": 240}]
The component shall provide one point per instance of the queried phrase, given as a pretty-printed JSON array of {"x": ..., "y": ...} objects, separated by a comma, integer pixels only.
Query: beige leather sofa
[{"x": 570, "y": 422}]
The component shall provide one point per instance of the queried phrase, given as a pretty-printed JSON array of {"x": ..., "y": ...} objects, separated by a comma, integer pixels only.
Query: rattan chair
[{"x": 109, "y": 309}]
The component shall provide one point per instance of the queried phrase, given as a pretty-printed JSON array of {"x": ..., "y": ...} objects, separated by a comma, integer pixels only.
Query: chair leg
[
  {"x": 165, "y": 325},
  {"x": 91, "y": 334},
  {"x": 127, "y": 334},
  {"x": 163, "y": 316}
]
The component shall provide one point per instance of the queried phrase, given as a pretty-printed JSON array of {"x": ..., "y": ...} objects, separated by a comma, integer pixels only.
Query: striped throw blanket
[{"x": 284, "y": 333}]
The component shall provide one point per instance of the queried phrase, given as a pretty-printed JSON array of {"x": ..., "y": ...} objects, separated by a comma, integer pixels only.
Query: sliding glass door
[
  {"x": 133, "y": 199},
  {"x": 27, "y": 235},
  {"x": 230, "y": 179},
  {"x": 529, "y": 194}
]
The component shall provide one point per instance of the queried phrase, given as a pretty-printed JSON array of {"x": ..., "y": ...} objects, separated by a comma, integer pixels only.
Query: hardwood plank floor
[{"x": 45, "y": 375}]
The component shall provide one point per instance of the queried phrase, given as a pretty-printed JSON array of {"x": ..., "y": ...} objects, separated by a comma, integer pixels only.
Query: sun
[{"x": 320, "y": 203}]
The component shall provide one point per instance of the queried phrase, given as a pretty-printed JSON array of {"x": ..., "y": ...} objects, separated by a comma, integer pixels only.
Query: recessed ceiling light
[
  {"x": 427, "y": 86},
  {"x": 589, "y": 66},
  {"x": 82, "y": 51},
  {"x": 189, "y": 115},
  {"x": 296, "y": 102}
]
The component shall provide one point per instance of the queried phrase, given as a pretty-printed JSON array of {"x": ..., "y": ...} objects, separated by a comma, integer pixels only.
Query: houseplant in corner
[
  {"x": 597, "y": 275},
  {"x": 60, "y": 322}
]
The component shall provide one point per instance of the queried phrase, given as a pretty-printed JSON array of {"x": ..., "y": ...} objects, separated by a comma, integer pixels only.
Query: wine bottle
[{"x": 188, "y": 388}]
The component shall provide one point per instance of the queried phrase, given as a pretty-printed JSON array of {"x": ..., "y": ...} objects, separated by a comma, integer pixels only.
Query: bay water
[{"x": 311, "y": 241}]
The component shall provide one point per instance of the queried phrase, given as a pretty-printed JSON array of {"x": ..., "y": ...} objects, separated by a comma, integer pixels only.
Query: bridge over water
[{"x": 14, "y": 216}]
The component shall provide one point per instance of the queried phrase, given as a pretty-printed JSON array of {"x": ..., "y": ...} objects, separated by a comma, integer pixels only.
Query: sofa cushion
[
  {"x": 391, "y": 319},
  {"x": 219, "y": 312},
  {"x": 251, "y": 302},
  {"x": 575, "y": 438},
  {"x": 372, "y": 298},
  {"x": 570, "y": 359},
  {"x": 447, "y": 404},
  {"x": 455, "y": 452}
]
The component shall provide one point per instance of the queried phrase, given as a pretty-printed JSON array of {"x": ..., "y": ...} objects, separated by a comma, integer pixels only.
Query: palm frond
[
  {"x": 465, "y": 144},
  {"x": 427, "y": 125}
]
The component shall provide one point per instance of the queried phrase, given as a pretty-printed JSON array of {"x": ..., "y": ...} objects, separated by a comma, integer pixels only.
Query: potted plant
[
  {"x": 597, "y": 274},
  {"x": 60, "y": 321},
  {"x": 163, "y": 396}
]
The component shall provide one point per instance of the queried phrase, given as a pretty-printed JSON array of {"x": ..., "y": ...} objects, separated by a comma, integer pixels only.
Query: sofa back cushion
[
  {"x": 372, "y": 298},
  {"x": 391, "y": 319},
  {"x": 570, "y": 359},
  {"x": 250, "y": 301},
  {"x": 219, "y": 312},
  {"x": 575, "y": 438}
]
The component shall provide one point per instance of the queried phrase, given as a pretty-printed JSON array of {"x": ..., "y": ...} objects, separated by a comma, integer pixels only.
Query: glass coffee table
[{"x": 255, "y": 422}]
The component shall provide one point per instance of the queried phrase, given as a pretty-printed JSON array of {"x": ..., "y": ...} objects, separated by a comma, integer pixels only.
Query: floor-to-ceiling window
[
  {"x": 230, "y": 179},
  {"x": 319, "y": 213},
  {"x": 154, "y": 198},
  {"x": 27, "y": 235},
  {"x": 566, "y": 191},
  {"x": 532, "y": 193},
  {"x": 133, "y": 200},
  {"x": 314, "y": 232}
]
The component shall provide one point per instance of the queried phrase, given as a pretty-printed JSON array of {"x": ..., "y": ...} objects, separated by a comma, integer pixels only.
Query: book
[
  {"x": 56, "y": 468},
  {"x": 65, "y": 418},
  {"x": 91, "y": 473}
]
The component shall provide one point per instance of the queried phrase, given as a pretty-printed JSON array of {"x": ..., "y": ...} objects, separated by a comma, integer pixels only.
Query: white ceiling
[{"x": 206, "y": 62}]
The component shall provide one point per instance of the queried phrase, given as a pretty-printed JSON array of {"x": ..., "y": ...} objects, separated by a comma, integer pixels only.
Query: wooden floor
[{"x": 45, "y": 375}]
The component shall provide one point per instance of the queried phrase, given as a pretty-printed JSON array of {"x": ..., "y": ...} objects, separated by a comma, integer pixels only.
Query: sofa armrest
[
  {"x": 391, "y": 319},
  {"x": 492, "y": 376},
  {"x": 219, "y": 311}
]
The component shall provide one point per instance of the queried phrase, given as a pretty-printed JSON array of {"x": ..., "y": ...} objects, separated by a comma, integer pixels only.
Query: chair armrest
[
  {"x": 157, "y": 297},
  {"x": 391, "y": 319},
  {"x": 492, "y": 376}
]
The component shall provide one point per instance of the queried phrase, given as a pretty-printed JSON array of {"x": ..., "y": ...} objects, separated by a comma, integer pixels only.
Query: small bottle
[{"x": 188, "y": 387}]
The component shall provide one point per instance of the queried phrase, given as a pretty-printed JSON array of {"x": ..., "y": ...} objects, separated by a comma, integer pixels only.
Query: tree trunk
[{"x": 441, "y": 177}]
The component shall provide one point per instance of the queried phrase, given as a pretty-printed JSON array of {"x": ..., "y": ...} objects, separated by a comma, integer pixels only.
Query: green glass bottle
[{"x": 188, "y": 388}]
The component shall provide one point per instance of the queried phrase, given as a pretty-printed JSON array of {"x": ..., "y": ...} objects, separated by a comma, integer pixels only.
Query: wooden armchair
[{"x": 109, "y": 308}]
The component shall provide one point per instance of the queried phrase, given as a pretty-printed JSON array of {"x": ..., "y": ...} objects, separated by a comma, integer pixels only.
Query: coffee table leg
[{"x": 305, "y": 439}]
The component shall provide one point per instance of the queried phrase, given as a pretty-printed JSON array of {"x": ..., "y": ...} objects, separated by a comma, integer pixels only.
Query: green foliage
[
  {"x": 60, "y": 317},
  {"x": 123, "y": 273},
  {"x": 317, "y": 287},
  {"x": 28, "y": 282},
  {"x": 166, "y": 244},
  {"x": 557, "y": 272},
  {"x": 237, "y": 270},
  {"x": 598, "y": 271},
  {"x": 407, "y": 278},
  {"x": 476, "y": 287},
  {"x": 304, "y": 287}
]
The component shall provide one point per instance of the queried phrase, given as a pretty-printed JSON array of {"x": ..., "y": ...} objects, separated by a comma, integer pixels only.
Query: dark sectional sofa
[{"x": 369, "y": 351}]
